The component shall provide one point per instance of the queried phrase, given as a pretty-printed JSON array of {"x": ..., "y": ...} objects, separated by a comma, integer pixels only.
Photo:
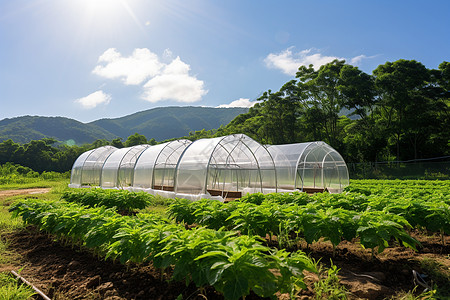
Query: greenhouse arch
[{"x": 220, "y": 168}]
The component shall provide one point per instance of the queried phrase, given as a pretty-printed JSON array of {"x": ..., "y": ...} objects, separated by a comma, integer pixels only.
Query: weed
[
  {"x": 328, "y": 286},
  {"x": 438, "y": 274},
  {"x": 10, "y": 289}
]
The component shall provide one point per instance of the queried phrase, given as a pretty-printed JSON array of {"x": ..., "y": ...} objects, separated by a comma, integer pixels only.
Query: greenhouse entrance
[{"x": 219, "y": 168}]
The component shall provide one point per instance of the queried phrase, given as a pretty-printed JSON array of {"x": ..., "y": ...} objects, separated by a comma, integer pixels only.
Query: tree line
[
  {"x": 399, "y": 112},
  {"x": 49, "y": 155}
]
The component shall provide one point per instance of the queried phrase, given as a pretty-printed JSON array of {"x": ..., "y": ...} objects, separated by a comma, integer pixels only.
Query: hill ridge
[{"x": 160, "y": 123}]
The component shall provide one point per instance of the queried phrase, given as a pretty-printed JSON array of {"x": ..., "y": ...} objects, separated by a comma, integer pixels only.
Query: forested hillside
[
  {"x": 169, "y": 122},
  {"x": 159, "y": 123},
  {"x": 27, "y": 128}
]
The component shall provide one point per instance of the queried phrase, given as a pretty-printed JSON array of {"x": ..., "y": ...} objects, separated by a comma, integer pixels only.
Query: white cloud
[
  {"x": 94, "y": 99},
  {"x": 174, "y": 83},
  {"x": 357, "y": 59},
  {"x": 289, "y": 62},
  {"x": 133, "y": 70},
  {"x": 241, "y": 102},
  {"x": 165, "y": 81}
]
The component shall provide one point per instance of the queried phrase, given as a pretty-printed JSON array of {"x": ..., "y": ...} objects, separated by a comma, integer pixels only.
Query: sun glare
[
  {"x": 100, "y": 13},
  {"x": 105, "y": 8}
]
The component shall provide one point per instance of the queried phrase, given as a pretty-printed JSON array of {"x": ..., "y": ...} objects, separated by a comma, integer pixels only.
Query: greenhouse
[{"x": 220, "y": 168}]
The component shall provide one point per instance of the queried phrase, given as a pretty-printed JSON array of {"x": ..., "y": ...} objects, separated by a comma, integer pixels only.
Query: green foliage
[
  {"x": 312, "y": 221},
  {"x": 439, "y": 274},
  {"x": 13, "y": 174},
  {"x": 135, "y": 139},
  {"x": 10, "y": 289},
  {"x": 376, "y": 229},
  {"x": 376, "y": 212},
  {"x": 328, "y": 286},
  {"x": 399, "y": 111},
  {"x": 40, "y": 156},
  {"x": 123, "y": 200},
  {"x": 234, "y": 264}
]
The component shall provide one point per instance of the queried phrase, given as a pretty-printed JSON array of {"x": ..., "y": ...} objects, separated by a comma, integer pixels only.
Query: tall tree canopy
[{"x": 400, "y": 112}]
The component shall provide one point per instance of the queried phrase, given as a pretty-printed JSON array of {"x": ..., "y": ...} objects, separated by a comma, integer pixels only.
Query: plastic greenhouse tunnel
[{"x": 222, "y": 168}]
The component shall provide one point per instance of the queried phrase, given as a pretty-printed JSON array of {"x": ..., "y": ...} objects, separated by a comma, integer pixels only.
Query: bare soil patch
[{"x": 11, "y": 193}]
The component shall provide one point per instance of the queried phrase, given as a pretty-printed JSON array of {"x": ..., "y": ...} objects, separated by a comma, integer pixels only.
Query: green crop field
[{"x": 259, "y": 245}]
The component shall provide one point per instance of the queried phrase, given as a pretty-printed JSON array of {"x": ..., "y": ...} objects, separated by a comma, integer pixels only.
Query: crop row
[
  {"x": 123, "y": 200},
  {"x": 432, "y": 213},
  {"x": 233, "y": 264},
  {"x": 400, "y": 187},
  {"x": 373, "y": 228}
]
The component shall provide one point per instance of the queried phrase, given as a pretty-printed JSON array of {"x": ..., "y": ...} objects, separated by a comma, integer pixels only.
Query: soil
[
  {"x": 9, "y": 193},
  {"x": 62, "y": 272}
]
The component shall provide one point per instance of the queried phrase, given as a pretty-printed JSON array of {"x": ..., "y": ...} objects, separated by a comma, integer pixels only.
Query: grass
[
  {"x": 439, "y": 275},
  {"x": 36, "y": 183},
  {"x": 328, "y": 286},
  {"x": 412, "y": 296},
  {"x": 11, "y": 289},
  {"x": 8, "y": 224}
]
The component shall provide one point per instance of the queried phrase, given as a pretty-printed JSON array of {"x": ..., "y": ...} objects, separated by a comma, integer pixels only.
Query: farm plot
[{"x": 256, "y": 246}]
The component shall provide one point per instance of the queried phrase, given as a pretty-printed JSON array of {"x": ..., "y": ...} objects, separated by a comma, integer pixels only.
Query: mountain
[
  {"x": 169, "y": 122},
  {"x": 159, "y": 123},
  {"x": 27, "y": 128}
]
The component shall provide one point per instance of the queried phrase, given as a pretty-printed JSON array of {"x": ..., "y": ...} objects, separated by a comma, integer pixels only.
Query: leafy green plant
[
  {"x": 121, "y": 199},
  {"x": 377, "y": 228},
  {"x": 234, "y": 264},
  {"x": 312, "y": 221}
]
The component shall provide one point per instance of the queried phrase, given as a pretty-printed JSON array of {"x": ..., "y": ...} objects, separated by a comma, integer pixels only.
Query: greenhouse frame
[{"x": 221, "y": 168}]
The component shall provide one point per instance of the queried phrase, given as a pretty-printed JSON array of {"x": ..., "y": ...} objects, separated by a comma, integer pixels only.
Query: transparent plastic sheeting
[
  {"x": 222, "y": 165},
  {"x": 313, "y": 165},
  {"x": 219, "y": 168},
  {"x": 156, "y": 165},
  {"x": 118, "y": 169},
  {"x": 87, "y": 169}
]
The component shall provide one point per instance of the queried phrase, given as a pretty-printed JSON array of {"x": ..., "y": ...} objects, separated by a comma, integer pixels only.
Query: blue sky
[{"x": 91, "y": 59}]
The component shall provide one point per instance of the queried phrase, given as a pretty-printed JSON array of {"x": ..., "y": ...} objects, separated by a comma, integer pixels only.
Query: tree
[
  {"x": 117, "y": 142},
  {"x": 323, "y": 99},
  {"x": 280, "y": 112},
  {"x": 135, "y": 139},
  {"x": 100, "y": 143},
  {"x": 364, "y": 138},
  {"x": 7, "y": 150},
  {"x": 405, "y": 102},
  {"x": 249, "y": 123},
  {"x": 38, "y": 155}
]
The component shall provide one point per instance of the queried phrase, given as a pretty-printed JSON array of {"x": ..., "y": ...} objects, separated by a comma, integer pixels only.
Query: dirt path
[{"x": 11, "y": 193}]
